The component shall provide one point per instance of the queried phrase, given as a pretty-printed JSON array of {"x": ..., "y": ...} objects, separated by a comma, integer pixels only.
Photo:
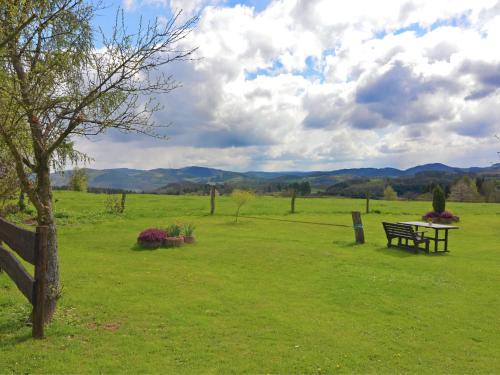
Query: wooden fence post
[
  {"x": 39, "y": 287},
  {"x": 358, "y": 227},
  {"x": 294, "y": 196},
  {"x": 212, "y": 199}
]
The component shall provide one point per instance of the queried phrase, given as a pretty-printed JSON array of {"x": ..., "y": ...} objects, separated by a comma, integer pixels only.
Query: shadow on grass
[
  {"x": 137, "y": 247},
  {"x": 400, "y": 252},
  {"x": 346, "y": 244},
  {"x": 11, "y": 329},
  {"x": 397, "y": 252}
]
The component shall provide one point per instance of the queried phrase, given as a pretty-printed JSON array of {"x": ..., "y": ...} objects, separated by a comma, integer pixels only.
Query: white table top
[{"x": 429, "y": 225}]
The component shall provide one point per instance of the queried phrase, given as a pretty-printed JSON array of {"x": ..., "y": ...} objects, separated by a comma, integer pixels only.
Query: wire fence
[{"x": 296, "y": 221}]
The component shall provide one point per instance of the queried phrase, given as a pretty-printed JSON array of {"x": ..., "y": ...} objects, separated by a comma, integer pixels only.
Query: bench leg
[{"x": 389, "y": 242}]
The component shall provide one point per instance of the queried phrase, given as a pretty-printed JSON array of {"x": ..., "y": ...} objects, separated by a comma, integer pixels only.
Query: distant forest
[{"x": 482, "y": 187}]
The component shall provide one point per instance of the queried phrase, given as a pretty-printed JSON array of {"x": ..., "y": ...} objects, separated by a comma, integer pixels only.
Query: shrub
[
  {"x": 113, "y": 204},
  {"x": 445, "y": 216},
  {"x": 78, "y": 180},
  {"x": 173, "y": 230},
  {"x": 438, "y": 199},
  {"x": 151, "y": 235},
  {"x": 188, "y": 230}
]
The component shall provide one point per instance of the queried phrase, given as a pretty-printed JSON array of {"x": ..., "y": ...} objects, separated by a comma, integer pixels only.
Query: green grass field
[{"x": 261, "y": 296}]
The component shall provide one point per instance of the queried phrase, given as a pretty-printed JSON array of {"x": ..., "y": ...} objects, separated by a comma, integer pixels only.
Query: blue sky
[{"x": 322, "y": 84}]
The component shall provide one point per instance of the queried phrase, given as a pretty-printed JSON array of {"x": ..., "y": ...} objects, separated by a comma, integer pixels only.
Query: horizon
[
  {"x": 278, "y": 86},
  {"x": 285, "y": 171}
]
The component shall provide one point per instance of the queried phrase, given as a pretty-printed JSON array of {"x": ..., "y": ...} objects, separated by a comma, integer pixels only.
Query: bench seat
[{"x": 407, "y": 233}]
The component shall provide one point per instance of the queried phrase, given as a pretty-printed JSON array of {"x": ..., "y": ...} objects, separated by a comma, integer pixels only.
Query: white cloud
[{"x": 310, "y": 84}]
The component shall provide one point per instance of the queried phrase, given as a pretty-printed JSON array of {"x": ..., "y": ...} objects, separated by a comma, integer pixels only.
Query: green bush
[
  {"x": 173, "y": 230},
  {"x": 78, "y": 180},
  {"x": 188, "y": 230},
  {"x": 113, "y": 204},
  {"x": 438, "y": 200}
]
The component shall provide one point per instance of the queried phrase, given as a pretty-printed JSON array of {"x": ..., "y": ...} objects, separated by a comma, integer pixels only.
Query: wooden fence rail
[{"x": 32, "y": 247}]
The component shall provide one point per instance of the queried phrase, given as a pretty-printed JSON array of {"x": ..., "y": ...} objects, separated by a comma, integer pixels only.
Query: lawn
[{"x": 261, "y": 296}]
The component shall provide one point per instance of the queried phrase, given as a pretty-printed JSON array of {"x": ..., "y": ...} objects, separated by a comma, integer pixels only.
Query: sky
[{"x": 283, "y": 85}]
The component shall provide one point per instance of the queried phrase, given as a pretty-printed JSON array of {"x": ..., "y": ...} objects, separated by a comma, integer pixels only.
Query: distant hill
[{"x": 157, "y": 179}]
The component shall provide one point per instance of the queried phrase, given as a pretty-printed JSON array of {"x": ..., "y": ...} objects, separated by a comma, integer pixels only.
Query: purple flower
[
  {"x": 431, "y": 215},
  {"x": 152, "y": 235},
  {"x": 446, "y": 215}
]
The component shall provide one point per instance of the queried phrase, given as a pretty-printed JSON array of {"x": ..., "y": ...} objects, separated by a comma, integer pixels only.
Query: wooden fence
[{"x": 32, "y": 247}]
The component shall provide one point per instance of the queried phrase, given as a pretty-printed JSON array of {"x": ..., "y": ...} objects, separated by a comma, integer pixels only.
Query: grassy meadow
[{"x": 261, "y": 296}]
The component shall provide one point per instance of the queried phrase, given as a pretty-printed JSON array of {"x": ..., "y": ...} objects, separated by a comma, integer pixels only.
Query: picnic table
[{"x": 437, "y": 228}]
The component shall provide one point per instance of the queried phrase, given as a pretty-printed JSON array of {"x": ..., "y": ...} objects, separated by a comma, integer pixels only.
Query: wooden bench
[{"x": 407, "y": 233}]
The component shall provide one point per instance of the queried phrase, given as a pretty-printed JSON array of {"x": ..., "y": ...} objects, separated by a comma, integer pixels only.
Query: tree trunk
[
  {"x": 46, "y": 218},
  {"x": 294, "y": 195}
]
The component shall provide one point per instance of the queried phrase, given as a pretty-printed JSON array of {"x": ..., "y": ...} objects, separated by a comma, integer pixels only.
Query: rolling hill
[{"x": 154, "y": 179}]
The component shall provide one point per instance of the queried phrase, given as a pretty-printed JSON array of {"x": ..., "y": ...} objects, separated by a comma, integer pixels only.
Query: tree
[
  {"x": 390, "y": 194},
  {"x": 464, "y": 190},
  {"x": 490, "y": 189},
  {"x": 241, "y": 197},
  {"x": 9, "y": 10},
  {"x": 56, "y": 84},
  {"x": 78, "y": 180},
  {"x": 438, "y": 199}
]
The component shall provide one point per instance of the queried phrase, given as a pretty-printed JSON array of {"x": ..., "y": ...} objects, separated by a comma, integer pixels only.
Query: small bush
[
  {"x": 188, "y": 230},
  {"x": 445, "y": 216},
  {"x": 78, "y": 180},
  {"x": 173, "y": 230},
  {"x": 152, "y": 235},
  {"x": 113, "y": 204}
]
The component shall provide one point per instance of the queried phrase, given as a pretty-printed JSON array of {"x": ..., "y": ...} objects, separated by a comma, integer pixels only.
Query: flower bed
[{"x": 444, "y": 217}]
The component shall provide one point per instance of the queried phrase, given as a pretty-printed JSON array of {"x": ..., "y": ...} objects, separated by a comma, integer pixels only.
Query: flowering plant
[
  {"x": 443, "y": 216},
  {"x": 152, "y": 235}
]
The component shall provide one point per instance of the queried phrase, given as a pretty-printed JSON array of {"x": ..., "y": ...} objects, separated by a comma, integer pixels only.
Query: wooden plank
[
  {"x": 20, "y": 240},
  {"x": 16, "y": 271},
  {"x": 40, "y": 281},
  {"x": 358, "y": 227}
]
